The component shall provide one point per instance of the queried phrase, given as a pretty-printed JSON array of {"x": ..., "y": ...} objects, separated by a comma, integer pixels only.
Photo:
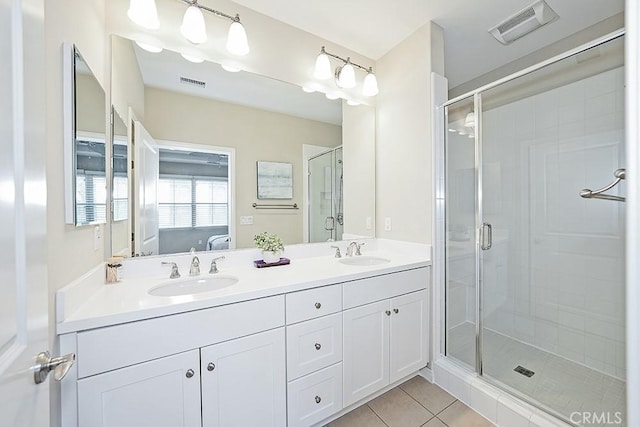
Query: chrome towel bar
[{"x": 619, "y": 174}]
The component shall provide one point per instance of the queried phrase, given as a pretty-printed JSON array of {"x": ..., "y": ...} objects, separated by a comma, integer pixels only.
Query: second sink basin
[
  {"x": 192, "y": 286},
  {"x": 363, "y": 260}
]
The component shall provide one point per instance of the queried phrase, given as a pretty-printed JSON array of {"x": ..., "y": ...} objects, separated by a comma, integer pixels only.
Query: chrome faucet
[
  {"x": 338, "y": 254},
  {"x": 354, "y": 249},
  {"x": 214, "y": 266},
  {"x": 194, "y": 270},
  {"x": 174, "y": 269}
]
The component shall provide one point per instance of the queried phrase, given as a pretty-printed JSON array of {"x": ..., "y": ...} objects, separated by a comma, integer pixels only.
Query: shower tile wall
[{"x": 563, "y": 291}]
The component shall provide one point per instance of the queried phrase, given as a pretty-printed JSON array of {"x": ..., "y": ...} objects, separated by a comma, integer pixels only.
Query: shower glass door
[
  {"x": 552, "y": 262},
  {"x": 326, "y": 217}
]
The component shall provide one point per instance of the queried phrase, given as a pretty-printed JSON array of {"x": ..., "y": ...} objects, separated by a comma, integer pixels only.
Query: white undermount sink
[
  {"x": 363, "y": 260},
  {"x": 192, "y": 286}
]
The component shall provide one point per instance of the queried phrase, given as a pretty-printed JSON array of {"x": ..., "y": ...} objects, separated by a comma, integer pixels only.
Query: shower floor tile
[{"x": 559, "y": 384}]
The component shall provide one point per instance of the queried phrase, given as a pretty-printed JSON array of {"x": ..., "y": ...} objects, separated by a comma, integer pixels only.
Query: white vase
[{"x": 270, "y": 257}]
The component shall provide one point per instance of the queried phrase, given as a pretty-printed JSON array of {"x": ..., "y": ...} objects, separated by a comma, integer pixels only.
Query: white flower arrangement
[{"x": 268, "y": 242}]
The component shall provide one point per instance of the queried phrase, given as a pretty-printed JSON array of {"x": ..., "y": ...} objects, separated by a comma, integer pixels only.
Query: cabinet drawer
[
  {"x": 313, "y": 345},
  {"x": 312, "y": 303},
  {"x": 365, "y": 291},
  {"x": 315, "y": 397},
  {"x": 114, "y": 347}
]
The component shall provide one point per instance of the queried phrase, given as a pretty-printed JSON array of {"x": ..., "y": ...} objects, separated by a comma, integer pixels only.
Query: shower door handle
[{"x": 486, "y": 236}]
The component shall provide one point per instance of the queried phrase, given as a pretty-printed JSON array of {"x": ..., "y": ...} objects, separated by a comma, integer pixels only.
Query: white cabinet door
[
  {"x": 244, "y": 381},
  {"x": 161, "y": 393},
  {"x": 408, "y": 347},
  {"x": 366, "y": 350}
]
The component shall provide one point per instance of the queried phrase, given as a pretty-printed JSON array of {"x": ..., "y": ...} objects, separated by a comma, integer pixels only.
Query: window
[
  {"x": 192, "y": 202},
  {"x": 91, "y": 197},
  {"x": 120, "y": 198}
]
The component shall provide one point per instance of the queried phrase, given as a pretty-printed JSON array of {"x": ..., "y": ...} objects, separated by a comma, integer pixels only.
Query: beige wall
[
  {"x": 127, "y": 86},
  {"x": 359, "y": 134},
  {"x": 255, "y": 135},
  {"x": 404, "y": 172},
  {"x": 90, "y": 105}
]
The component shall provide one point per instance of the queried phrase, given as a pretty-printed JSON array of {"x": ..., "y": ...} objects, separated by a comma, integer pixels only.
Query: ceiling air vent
[
  {"x": 523, "y": 22},
  {"x": 192, "y": 82}
]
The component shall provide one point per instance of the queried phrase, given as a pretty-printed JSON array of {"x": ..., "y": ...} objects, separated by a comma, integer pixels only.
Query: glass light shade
[
  {"x": 192, "y": 58},
  {"x": 323, "y": 67},
  {"x": 470, "y": 120},
  {"x": 237, "y": 39},
  {"x": 370, "y": 85},
  {"x": 353, "y": 103},
  {"x": 332, "y": 96},
  {"x": 347, "y": 76},
  {"x": 193, "y": 27},
  {"x": 149, "y": 47},
  {"x": 144, "y": 13}
]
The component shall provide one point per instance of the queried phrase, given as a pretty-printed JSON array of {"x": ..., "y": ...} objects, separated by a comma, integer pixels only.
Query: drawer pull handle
[
  {"x": 395, "y": 310},
  {"x": 211, "y": 366},
  {"x": 318, "y": 399},
  {"x": 190, "y": 373},
  {"x": 388, "y": 312},
  {"x": 318, "y": 305},
  {"x": 318, "y": 346}
]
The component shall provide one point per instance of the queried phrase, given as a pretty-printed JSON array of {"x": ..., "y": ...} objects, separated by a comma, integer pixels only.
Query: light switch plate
[
  {"x": 387, "y": 224},
  {"x": 246, "y": 220},
  {"x": 368, "y": 223}
]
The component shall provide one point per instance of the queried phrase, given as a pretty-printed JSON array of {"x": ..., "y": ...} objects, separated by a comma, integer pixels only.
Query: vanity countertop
[{"x": 80, "y": 306}]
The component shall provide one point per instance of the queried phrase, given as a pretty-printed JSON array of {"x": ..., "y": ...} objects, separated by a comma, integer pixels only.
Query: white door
[
  {"x": 161, "y": 393},
  {"x": 146, "y": 173},
  {"x": 409, "y": 336},
  {"x": 366, "y": 350},
  {"x": 23, "y": 288},
  {"x": 244, "y": 382}
]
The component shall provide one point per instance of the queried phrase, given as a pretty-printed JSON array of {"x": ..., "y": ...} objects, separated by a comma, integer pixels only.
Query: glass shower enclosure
[
  {"x": 535, "y": 233},
  {"x": 326, "y": 215}
]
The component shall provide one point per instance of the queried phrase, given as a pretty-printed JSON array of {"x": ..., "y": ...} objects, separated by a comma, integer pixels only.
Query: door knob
[
  {"x": 190, "y": 373},
  {"x": 318, "y": 346},
  {"x": 388, "y": 312},
  {"x": 396, "y": 311},
  {"x": 318, "y": 305},
  {"x": 211, "y": 366},
  {"x": 45, "y": 363}
]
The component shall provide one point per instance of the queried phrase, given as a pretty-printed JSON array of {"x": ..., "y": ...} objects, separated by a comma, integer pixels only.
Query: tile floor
[
  {"x": 558, "y": 383},
  {"x": 414, "y": 403}
]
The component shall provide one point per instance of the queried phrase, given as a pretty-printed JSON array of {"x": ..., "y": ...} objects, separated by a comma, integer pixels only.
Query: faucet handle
[
  {"x": 338, "y": 254},
  {"x": 174, "y": 269},
  {"x": 214, "y": 266},
  {"x": 358, "y": 245}
]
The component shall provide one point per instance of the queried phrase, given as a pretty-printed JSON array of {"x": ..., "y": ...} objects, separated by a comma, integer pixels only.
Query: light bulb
[
  {"x": 323, "y": 67},
  {"x": 308, "y": 88},
  {"x": 144, "y": 13},
  {"x": 192, "y": 58},
  {"x": 149, "y": 47},
  {"x": 237, "y": 39},
  {"x": 332, "y": 96},
  {"x": 193, "y": 27},
  {"x": 353, "y": 103},
  {"x": 370, "y": 85},
  {"x": 347, "y": 76}
]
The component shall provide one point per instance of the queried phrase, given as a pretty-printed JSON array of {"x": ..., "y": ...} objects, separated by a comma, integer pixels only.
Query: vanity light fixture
[
  {"x": 193, "y": 28},
  {"x": 470, "y": 120},
  {"x": 344, "y": 74}
]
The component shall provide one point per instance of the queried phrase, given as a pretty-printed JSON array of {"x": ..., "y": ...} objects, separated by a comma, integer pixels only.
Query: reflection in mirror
[
  {"x": 202, "y": 108},
  {"x": 85, "y": 162},
  {"x": 120, "y": 183}
]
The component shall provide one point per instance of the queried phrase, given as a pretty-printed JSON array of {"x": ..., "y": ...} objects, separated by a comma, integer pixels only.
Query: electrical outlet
[
  {"x": 97, "y": 238},
  {"x": 246, "y": 220},
  {"x": 368, "y": 223},
  {"x": 387, "y": 224}
]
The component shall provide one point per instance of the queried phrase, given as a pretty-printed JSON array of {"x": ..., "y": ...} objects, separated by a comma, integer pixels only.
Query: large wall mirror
[
  {"x": 84, "y": 142},
  {"x": 198, "y": 132}
]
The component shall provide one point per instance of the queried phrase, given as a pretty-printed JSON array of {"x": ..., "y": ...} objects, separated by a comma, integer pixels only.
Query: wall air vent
[
  {"x": 527, "y": 20},
  {"x": 192, "y": 82}
]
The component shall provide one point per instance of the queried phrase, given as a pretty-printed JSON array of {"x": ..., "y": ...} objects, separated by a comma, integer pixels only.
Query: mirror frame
[{"x": 69, "y": 54}]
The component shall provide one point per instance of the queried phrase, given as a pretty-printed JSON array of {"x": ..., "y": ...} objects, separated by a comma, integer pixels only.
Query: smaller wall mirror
[
  {"x": 84, "y": 142},
  {"x": 120, "y": 160}
]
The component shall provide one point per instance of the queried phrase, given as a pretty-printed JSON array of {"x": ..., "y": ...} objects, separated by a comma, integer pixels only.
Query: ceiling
[{"x": 373, "y": 27}]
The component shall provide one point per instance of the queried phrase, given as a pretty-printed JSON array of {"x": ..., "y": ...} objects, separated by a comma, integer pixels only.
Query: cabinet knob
[
  {"x": 318, "y": 399},
  {"x": 190, "y": 373},
  {"x": 388, "y": 313},
  {"x": 211, "y": 366},
  {"x": 395, "y": 310},
  {"x": 318, "y": 305},
  {"x": 318, "y": 346}
]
